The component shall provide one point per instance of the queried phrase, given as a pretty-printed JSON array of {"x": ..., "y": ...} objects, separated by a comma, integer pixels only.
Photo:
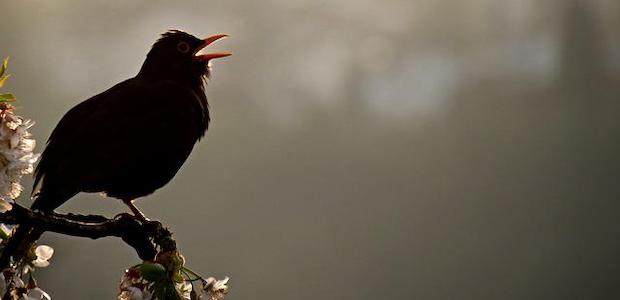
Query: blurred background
[{"x": 398, "y": 149}]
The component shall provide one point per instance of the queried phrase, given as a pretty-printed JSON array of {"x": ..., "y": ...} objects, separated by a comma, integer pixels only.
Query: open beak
[{"x": 208, "y": 41}]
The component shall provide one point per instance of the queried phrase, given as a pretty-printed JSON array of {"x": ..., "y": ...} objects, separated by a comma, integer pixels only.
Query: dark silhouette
[{"x": 130, "y": 140}]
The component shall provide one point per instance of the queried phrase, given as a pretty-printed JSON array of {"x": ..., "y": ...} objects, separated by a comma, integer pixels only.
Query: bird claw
[{"x": 153, "y": 224}]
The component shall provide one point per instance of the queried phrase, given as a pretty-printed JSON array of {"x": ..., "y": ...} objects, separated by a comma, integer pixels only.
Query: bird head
[{"x": 177, "y": 55}]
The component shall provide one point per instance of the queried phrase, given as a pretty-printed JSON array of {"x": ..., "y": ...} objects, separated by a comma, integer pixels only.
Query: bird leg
[{"x": 136, "y": 211}]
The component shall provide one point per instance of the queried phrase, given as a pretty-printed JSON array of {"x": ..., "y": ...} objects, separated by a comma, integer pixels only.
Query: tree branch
[{"x": 145, "y": 238}]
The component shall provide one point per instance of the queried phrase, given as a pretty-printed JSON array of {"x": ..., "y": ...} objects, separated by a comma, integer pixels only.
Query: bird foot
[
  {"x": 136, "y": 212},
  {"x": 123, "y": 215}
]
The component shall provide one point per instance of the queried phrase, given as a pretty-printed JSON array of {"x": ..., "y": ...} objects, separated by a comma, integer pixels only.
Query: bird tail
[{"x": 19, "y": 244}]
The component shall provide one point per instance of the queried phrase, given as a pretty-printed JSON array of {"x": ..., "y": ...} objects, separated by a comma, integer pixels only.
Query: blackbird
[{"x": 129, "y": 140}]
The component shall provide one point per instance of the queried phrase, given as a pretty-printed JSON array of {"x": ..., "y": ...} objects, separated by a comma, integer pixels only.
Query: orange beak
[{"x": 208, "y": 41}]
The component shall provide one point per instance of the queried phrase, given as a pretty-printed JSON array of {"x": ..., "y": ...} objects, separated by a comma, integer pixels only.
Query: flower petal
[
  {"x": 38, "y": 294},
  {"x": 185, "y": 289},
  {"x": 44, "y": 252},
  {"x": 5, "y": 205},
  {"x": 40, "y": 263},
  {"x": 220, "y": 285}
]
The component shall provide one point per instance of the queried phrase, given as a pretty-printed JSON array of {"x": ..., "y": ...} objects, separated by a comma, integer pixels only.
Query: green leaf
[
  {"x": 152, "y": 272},
  {"x": 5, "y": 65},
  {"x": 166, "y": 290},
  {"x": 8, "y": 97},
  {"x": 3, "y": 79},
  {"x": 171, "y": 292},
  {"x": 178, "y": 277}
]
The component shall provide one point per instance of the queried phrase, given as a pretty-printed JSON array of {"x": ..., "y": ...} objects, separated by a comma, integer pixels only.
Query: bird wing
[{"x": 130, "y": 124}]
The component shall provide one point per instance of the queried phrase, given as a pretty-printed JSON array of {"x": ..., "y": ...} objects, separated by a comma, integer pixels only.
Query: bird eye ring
[{"x": 183, "y": 47}]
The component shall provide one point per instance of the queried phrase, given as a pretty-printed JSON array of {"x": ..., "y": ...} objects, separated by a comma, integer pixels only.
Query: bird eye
[{"x": 183, "y": 47}]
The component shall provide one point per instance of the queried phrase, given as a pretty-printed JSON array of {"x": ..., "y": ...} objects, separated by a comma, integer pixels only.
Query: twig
[{"x": 145, "y": 238}]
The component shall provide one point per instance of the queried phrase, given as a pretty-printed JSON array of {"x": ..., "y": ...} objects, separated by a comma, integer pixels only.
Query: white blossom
[
  {"x": 20, "y": 290},
  {"x": 134, "y": 293},
  {"x": 211, "y": 289},
  {"x": 216, "y": 289},
  {"x": 37, "y": 294},
  {"x": 5, "y": 206},
  {"x": 16, "y": 152},
  {"x": 16, "y": 160},
  {"x": 43, "y": 253},
  {"x": 133, "y": 286},
  {"x": 17, "y": 282},
  {"x": 185, "y": 290}
]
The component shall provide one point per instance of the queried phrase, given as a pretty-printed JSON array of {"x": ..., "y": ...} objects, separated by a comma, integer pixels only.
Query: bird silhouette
[{"x": 129, "y": 140}]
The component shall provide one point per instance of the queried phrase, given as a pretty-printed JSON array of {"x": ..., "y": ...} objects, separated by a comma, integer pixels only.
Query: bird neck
[
  {"x": 152, "y": 71},
  {"x": 152, "y": 68}
]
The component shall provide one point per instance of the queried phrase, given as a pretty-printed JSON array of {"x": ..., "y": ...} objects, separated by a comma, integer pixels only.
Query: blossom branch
[{"x": 145, "y": 238}]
